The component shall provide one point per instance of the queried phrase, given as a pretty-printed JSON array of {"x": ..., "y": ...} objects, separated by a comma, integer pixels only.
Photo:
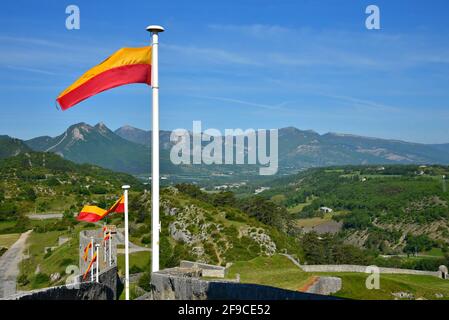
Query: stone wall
[
  {"x": 178, "y": 284},
  {"x": 325, "y": 285},
  {"x": 362, "y": 269},
  {"x": 207, "y": 270},
  {"x": 85, "y": 291},
  {"x": 108, "y": 289}
]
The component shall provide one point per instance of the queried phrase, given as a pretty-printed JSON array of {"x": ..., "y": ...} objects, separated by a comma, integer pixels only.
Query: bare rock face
[
  {"x": 38, "y": 269},
  {"x": 179, "y": 232},
  {"x": 403, "y": 295},
  {"x": 55, "y": 277},
  {"x": 168, "y": 208},
  {"x": 170, "y": 211},
  {"x": 267, "y": 246}
]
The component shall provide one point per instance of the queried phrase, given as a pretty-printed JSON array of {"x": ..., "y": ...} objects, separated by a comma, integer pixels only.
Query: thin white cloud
[
  {"x": 254, "y": 30},
  {"x": 33, "y": 70},
  {"x": 31, "y": 41},
  {"x": 243, "y": 102},
  {"x": 302, "y": 47},
  {"x": 202, "y": 54},
  {"x": 364, "y": 104}
]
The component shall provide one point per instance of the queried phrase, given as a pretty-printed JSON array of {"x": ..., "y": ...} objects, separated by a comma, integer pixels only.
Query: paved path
[
  {"x": 9, "y": 266},
  {"x": 120, "y": 238},
  {"x": 295, "y": 262},
  {"x": 45, "y": 216}
]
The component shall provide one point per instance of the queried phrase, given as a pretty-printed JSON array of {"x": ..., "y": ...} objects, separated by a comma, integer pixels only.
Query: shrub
[
  {"x": 23, "y": 280},
  {"x": 40, "y": 280},
  {"x": 145, "y": 281},
  {"x": 357, "y": 220},
  {"x": 146, "y": 240},
  {"x": 418, "y": 243},
  {"x": 135, "y": 269},
  {"x": 48, "y": 253}
]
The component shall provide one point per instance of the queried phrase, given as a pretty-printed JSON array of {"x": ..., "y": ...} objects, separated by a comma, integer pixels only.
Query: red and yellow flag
[
  {"x": 94, "y": 213},
  {"x": 91, "y": 214},
  {"x": 94, "y": 258},
  {"x": 127, "y": 65},
  {"x": 118, "y": 206},
  {"x": 86, "y": 251},
  {"x": 107, "y": 237}
]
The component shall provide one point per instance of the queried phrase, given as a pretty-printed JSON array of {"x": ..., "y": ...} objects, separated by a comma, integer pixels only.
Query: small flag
[
  {"x": 94, "y": 258},
  {"x": 107, "y": 237},
  {"x": 86, "y": 251},
  {"x": 125, "y": 66}
]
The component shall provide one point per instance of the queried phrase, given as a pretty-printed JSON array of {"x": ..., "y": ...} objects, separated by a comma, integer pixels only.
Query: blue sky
[{"x": 246, "y": 64}]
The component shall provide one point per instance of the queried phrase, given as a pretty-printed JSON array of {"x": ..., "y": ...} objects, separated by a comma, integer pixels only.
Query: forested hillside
[
  {"x": 392, "y": 209},
  {"x": 44, "y": 182}
]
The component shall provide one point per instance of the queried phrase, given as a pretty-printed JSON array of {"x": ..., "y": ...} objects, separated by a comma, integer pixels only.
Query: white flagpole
[
  {"x": 91, "y": 258},
  {"x": 104, "y": 243},
  {"x": 125, "y": 188},
  {"x": 110, "y": 248},
  {"x": 155, "y": 147},
  {"x": 97, "y": 247}
]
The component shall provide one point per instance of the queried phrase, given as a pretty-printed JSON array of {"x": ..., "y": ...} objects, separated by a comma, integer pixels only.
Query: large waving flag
[
  {"x": 127, "y": 65},
  {"x": 91, "y": 214},
  {"x": 94, "y": 213}
]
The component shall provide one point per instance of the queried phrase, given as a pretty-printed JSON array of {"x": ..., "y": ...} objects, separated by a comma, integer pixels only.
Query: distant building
[
  {"x": 261, "y": 189},
  {"x": 326, "y": 209}
]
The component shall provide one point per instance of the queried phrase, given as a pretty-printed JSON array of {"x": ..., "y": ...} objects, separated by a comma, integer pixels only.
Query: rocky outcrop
[{"x": 267, "y": 246}]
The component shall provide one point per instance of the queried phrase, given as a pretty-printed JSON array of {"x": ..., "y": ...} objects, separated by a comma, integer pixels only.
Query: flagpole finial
[
  {"x": 155, "y": 29},
  {"x": 126, "y": 187}
]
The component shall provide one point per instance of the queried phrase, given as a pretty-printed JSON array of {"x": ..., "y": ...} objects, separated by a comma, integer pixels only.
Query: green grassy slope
[
  {"x": 45, "y": 182},
  {"x": 278, "y": 271}
]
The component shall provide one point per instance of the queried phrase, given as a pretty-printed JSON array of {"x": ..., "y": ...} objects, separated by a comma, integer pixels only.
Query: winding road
[
  {"x": 133, "y": 248},
  {"x": 9, "y": 266},
  {"x": 45, "y": 216}
]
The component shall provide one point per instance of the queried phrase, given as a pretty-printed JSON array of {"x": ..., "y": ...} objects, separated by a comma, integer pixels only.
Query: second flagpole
[
  {"x": 125, "y": 196},
  {"x": 155, "y": 30}
]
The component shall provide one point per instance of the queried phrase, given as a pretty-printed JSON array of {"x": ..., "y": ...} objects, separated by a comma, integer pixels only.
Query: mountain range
[
  {"x": 127, "y": 149},
  {"x": 11, "y": 147}
]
